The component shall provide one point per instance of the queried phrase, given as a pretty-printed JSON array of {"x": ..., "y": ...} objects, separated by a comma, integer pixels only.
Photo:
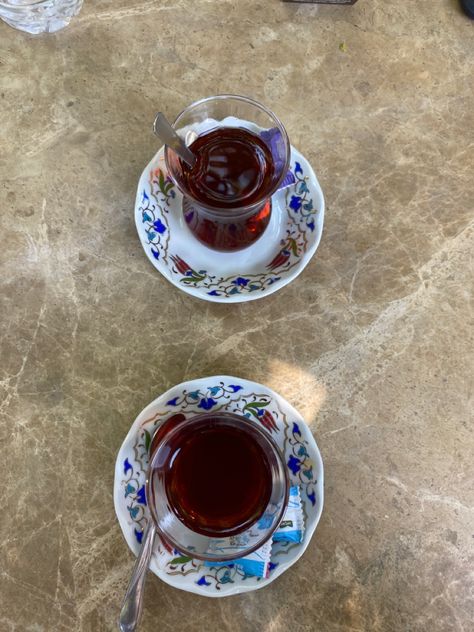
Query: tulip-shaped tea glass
[{"x": 243, "y": 155}]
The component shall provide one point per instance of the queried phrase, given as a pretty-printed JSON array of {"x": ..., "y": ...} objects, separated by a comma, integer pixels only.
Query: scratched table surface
[{"x": 372, "y": 343}]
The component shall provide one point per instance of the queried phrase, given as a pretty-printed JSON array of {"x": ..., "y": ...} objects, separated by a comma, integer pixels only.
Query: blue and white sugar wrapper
[{"x": 291, "y": 529}]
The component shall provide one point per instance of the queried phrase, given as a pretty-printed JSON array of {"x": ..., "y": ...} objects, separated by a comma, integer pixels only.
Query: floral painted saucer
[
  {"x": 289, "y": 242},
  {"x": 262, "y": 406}
]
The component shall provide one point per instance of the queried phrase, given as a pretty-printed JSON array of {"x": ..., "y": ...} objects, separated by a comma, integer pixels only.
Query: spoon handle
[
  {"x": 132, "y": 605},
  {"x": 169, "y": 137}
]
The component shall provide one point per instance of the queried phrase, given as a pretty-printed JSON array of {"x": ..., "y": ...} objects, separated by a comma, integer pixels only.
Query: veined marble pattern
[{"x": 377, "y": 331}]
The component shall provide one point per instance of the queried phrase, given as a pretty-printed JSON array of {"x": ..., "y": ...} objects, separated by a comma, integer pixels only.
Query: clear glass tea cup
[
  {"x": 39, "y": 16},
  {"x": 182, "y": 534},
  {"x": 217, "y": 224}
]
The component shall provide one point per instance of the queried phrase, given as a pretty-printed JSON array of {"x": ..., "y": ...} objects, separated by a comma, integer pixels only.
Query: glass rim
[
  {"x": 277, "y": 453},
  {"x": 260, "y": 106}
]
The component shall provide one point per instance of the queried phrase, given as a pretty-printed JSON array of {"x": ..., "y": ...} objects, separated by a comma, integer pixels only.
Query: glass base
[
  {"x": 226, "y": 234},
  {"x": 37, "y": 29}
]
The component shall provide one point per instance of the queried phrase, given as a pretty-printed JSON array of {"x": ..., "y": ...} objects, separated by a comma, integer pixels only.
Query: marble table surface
[{"x": 372, "y": 343}]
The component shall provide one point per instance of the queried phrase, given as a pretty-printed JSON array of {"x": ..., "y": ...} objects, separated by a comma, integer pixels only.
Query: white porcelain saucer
[
  {"x": 262, "y": 406},
  {"x": 279, "y": 256}
]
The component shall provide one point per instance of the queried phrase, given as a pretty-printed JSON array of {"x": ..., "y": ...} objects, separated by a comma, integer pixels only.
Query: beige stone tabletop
[{"x": 372, "y": 343}]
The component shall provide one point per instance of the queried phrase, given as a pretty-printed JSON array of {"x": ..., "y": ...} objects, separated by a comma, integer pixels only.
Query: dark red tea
[
  {"x": 228, "y": 236},
  {"x": 218, "y": 479},
  {"x": 234, "y": 168}
]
